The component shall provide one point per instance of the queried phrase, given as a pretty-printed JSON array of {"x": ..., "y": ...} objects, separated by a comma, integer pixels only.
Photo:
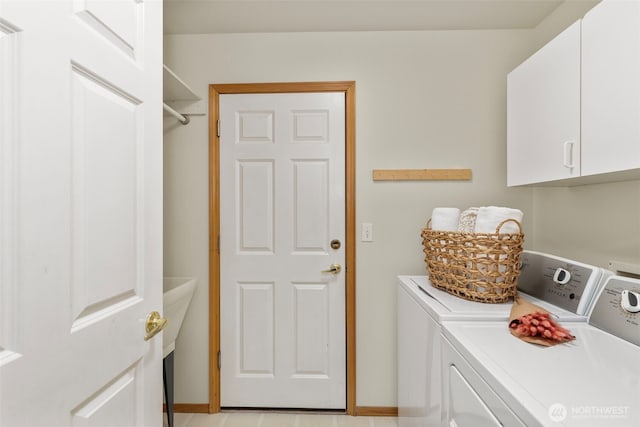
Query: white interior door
[
  {"x": 282, "y": 192},
  {"x": 80, "y": 212}
]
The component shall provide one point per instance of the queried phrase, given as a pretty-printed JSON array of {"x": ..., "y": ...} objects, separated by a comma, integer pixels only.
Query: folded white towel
[
  {"x": 489, "y": 217},
  {"x": 467, "y": 222},
  {"x": 445, "y": 219}
]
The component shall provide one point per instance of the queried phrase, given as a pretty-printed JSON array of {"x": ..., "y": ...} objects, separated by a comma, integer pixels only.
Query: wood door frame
[{"x": 215, "y": 90}]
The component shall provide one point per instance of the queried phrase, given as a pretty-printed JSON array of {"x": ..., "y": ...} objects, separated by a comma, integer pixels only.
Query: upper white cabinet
[
  {"x": 574, "y": 106},
  {"x": 611, "y": 87},
  {"x": 543, "y": 113}
]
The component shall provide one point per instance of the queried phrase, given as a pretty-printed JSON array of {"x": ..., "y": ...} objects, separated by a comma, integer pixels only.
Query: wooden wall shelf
[{"x": 422, "y": 174}]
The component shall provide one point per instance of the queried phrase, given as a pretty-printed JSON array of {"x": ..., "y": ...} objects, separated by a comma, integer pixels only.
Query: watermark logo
[{"x": 558, "y": 412}]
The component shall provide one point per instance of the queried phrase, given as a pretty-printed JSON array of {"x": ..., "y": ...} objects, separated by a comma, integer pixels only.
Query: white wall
[
  {"x": 186, "y": 248},
  {"x": 593, "y": 223},
  {"x": 423, "y": 100}
]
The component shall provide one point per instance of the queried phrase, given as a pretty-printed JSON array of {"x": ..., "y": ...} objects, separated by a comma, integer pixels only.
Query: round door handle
[
  {"x": 154, "y": 324},
  {"x": 334, "y": 269}
]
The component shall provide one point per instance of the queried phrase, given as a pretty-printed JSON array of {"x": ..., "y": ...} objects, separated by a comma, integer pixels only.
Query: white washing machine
[
  {"x": 491, "y": 378},
  {"x": 561, "y": 286}
]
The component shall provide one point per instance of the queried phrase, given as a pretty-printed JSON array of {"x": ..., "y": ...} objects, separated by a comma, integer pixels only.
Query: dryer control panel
[
  {"x": 567, "y": 284},
  {"x": 616, "y": 309}
]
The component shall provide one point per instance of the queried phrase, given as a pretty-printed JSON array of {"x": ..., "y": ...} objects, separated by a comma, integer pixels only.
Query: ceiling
[{"x": 264, "y": 16}]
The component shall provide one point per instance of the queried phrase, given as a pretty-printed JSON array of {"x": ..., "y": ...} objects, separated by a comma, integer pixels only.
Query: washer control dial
[
  {"x": 630, "y": 301},
  {"x": 561, "y": 276}
]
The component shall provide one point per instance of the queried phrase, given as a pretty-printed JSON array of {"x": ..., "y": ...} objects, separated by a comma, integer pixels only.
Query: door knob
[
  {"x": 154, "y": 324},
  {"x": 334, "y": 269}
]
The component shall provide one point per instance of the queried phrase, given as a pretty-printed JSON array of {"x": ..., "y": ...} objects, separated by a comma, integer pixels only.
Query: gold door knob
[
  {"x": 154, "y": 324},
  {"x": 334, "y": 269}
]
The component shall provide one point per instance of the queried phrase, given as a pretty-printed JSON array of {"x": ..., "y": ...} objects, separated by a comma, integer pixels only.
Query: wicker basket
[{"x": 481, "y": 267}]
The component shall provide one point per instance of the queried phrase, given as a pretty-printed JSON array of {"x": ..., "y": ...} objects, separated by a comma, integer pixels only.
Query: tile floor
[{"x": 272, "y": 419}]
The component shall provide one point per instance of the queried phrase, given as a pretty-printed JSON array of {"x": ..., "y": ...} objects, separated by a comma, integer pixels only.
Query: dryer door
[{"x": 466, "y": 408}]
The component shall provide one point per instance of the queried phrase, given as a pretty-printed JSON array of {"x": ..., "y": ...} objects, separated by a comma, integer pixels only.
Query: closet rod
[{"x": 184, "y": 119}]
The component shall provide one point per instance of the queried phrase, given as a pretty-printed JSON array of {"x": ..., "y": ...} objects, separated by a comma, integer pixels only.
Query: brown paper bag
[{"x": 522, "y": 307}]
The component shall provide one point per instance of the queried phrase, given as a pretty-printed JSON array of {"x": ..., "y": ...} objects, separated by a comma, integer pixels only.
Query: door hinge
[
  {"x": 219, "y": 360},
  {"x": 218, "y": 244},
  {"x": 218, "y": 127}
]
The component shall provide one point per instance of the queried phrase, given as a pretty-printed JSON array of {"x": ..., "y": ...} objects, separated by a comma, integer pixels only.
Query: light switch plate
[{"x": 367, "y": 232}]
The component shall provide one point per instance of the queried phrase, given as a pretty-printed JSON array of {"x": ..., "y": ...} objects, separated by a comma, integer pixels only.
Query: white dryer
[
  {"x": 491, "y": 378},
  {"x": 563, "y": 287}
]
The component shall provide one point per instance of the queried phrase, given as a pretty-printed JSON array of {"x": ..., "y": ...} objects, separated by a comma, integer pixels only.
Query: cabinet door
[
  {"x": 543, "y": 113},
  {"x": 611, "y": 87}
]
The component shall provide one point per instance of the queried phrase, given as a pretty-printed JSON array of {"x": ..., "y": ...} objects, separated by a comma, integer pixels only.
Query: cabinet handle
[{"x": 567, "y": 161}]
